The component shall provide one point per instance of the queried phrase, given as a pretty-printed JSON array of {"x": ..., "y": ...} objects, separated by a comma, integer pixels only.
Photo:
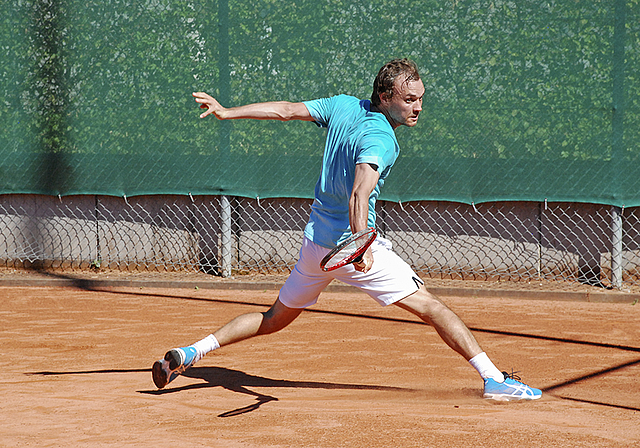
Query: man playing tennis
[{"x": 360, "y": 150}]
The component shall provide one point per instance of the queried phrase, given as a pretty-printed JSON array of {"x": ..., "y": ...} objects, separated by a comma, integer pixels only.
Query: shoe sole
[
  {"x": 160, "y": 378},
  {"x": 500, "y": 397}
]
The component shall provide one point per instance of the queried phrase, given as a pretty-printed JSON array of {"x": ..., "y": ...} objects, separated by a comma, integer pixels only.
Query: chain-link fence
[{"x": 514, "y": 241}]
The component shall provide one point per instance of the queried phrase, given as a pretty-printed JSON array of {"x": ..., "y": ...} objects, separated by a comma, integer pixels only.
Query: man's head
[
  {"x": 389, "y": 73},
  {"x": 398, "y": 92}
]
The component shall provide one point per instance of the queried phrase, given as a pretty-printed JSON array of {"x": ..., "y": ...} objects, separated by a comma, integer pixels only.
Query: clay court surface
[{"x": 348, "y": 373}]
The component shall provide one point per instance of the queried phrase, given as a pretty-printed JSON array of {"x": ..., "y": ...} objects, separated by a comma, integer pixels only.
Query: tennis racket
[{"x": 350, "y": 250}]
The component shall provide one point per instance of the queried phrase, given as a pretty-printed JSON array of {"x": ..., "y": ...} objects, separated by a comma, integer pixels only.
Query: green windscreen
[{"x": 527, "y": 100}]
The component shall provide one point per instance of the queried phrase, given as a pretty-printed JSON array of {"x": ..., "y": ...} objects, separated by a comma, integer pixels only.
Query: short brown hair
[{"x": 389, "y": 73}]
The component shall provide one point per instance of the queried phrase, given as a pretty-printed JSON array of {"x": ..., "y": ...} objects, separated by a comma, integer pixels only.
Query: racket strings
[{"x": 348, "y": 251}]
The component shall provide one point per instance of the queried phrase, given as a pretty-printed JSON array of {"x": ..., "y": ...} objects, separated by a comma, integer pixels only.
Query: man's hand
[
  {"x": 366, "y": 263},
  {"x": 211, "y": 104}
]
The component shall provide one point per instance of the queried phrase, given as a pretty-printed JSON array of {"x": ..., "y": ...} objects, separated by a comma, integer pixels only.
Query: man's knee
[
  {"x": 277, "y": 317},
  {"x": 422, "y": 303}
]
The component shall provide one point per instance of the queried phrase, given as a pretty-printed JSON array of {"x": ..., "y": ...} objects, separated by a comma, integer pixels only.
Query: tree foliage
[{"x": 95, "y": 96}]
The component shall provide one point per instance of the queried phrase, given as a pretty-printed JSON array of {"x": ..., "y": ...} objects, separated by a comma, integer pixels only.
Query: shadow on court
[
  {"x": 600, "y": 373},
  {"x": 237, "y": 381},
  {"x": 234, "y": 381}
]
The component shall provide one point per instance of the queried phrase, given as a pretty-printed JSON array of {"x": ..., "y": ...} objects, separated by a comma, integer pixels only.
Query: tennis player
[{"x": 361, "y": 148}]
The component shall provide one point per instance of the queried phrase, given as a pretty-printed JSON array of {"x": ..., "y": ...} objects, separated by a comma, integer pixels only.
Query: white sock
[
  {"x": 206, "y": 345},
  {"x": 486, "y": 368}
]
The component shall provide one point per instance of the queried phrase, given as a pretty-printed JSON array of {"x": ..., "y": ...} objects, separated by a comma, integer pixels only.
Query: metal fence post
[
  {"x": 618, "y": 146},
  {"x": 616, "y": 247},
  {"x": 225, "y": 243},
  {"x": 224, "y": 83}
]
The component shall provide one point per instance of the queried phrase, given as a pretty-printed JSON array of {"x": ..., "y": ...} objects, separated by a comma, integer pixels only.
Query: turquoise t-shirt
[{"x": 354, "y": 135}]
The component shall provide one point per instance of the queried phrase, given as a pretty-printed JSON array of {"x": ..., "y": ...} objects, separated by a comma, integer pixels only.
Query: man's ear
[{"x": 384, "y": 97}]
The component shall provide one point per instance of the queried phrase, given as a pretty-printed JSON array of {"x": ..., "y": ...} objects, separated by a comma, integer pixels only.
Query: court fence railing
[{"x": 221, "y": 235}]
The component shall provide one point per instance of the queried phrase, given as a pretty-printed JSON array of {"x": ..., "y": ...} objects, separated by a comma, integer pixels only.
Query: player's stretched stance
[{"x": 360, "y": 150}]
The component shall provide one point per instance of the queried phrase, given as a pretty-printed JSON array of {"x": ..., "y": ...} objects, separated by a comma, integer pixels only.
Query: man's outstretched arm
[{"x": 277, "y": 110}]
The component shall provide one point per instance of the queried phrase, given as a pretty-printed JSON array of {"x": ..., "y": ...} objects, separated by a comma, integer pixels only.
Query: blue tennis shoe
[
  {"x": 509, "y": 390},
  {"x": 175, "y": 362}
]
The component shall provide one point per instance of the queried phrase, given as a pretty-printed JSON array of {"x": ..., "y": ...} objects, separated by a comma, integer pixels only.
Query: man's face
[{"x": 404, "y": 107}]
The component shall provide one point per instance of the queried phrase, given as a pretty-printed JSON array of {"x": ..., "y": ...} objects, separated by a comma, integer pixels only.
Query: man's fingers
[
  {"x": 362, "y": 266},
  {"x": 365, "y": 264},
  {"x": 202, "y": 97},
  {"x": 206, "y": 102}
]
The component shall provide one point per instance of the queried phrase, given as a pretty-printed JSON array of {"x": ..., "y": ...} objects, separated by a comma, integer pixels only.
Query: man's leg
[
  {"x": 448, "y": 325},
  {"x": 457, "y": 336},
  {"x": 255, "y": 324},
  {"x": 243, "y": 327}
]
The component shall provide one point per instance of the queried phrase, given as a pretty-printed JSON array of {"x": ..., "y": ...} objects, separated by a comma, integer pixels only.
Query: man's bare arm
[
  {"x": 366, "y": 178},
  {"x": 276, "y": 110}
]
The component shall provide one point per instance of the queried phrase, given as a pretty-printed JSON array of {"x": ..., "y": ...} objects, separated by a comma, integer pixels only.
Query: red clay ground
[{"x": 348, "y": 373}]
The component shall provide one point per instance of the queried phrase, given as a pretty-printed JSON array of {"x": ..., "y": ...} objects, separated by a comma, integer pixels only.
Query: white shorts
[{"x": 390, "y": 278}]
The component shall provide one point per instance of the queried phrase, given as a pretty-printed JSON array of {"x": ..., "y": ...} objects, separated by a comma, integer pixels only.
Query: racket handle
[{"x": 358, "y": 259}]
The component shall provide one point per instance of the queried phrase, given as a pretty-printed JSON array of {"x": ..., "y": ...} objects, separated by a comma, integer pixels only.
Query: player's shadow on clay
[{"x": 236, "y": 381}]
